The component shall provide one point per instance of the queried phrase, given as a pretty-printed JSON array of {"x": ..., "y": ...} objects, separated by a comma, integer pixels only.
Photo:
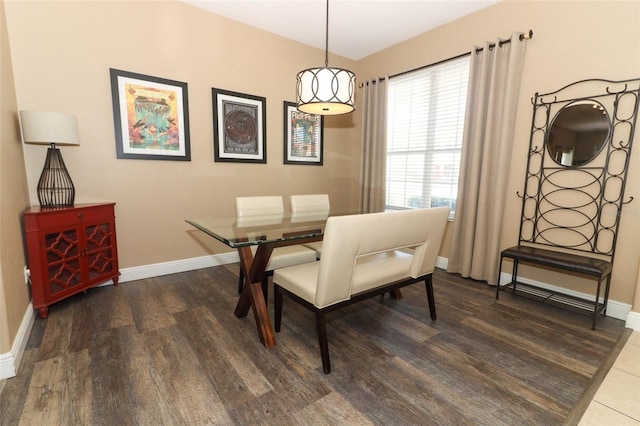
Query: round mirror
[{"x": 578, "y": 133}]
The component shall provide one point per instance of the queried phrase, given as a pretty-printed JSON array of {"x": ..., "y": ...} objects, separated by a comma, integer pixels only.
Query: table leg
[
  {"x": 261, "y": 315},
  {"x": 396, "y": 294},
  {"x": 253, "y": 268}
]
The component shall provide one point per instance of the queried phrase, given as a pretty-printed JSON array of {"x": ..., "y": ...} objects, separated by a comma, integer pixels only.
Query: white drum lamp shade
[
  {"x": 55, "y": 188},
  {"x": 326, "y": 90}
]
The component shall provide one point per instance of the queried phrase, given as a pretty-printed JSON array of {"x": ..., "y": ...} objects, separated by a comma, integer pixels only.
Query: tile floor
[{"x": 617, "y": 401}]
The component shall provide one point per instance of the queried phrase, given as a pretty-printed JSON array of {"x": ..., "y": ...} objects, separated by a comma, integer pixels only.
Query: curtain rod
[{"x": 526, "y": 36}]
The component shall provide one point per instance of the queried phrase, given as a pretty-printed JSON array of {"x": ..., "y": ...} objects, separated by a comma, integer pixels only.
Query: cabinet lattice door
[{"x": 70, "y": 250}]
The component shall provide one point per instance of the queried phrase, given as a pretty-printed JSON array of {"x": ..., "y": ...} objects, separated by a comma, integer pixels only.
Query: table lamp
[{"x": 55, "y": 188}]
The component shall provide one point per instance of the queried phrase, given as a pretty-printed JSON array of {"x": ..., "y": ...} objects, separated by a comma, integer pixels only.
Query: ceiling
[{"x": 357, "y": 28}]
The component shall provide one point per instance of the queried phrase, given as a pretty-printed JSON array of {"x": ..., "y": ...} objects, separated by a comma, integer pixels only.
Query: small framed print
[
  {"x": 239, "y": 127},
  {"x": 303, "y": 136},
  {"x": 151, "y": 117}
]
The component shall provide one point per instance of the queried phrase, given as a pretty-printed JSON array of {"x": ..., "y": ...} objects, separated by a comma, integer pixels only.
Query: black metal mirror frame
[
  {"x": 598, "y": 140},
  {"x": 579, "y": 207}
]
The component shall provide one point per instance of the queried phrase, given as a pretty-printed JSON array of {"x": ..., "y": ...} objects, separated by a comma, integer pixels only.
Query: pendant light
[{"x": 325, "y": 90}]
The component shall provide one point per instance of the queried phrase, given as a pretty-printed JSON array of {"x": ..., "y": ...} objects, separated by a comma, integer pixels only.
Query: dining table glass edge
[{"x": 238, "y": 232}]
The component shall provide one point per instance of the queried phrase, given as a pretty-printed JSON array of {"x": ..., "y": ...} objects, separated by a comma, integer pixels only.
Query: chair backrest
[
  {"x": 310, "y": 203},
  {"x": 259, "y": 206},
  {"x": 348, "y": 237}
]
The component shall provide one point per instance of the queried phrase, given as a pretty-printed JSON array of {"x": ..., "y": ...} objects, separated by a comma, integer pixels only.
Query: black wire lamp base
[{"x": 55, "y": 188}]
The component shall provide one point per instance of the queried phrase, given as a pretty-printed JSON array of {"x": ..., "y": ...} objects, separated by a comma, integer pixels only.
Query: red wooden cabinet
[{"x": 70, "y": 250}]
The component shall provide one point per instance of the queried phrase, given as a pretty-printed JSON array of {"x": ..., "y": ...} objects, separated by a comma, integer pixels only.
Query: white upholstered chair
[
  {"x": 364, "y": 256},
  {"x": 310, "y": 206},
  {"x": 270, "y": 208}
]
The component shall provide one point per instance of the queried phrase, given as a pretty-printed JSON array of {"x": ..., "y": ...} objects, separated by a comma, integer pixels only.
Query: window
[{"x": 424, "y": 135}]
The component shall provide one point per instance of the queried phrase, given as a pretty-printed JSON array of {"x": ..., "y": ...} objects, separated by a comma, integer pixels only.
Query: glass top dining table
[
  {"x": 267, "y": 233},
  {"x": 237, "y": 232}
]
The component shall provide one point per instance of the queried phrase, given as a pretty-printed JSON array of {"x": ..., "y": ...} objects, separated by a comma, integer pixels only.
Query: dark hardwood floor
[{"x": 169, "y": 351}]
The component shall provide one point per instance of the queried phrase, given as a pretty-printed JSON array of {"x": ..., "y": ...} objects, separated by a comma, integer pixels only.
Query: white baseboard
[
  {"x": 10, "y": 362},
  {"x": 633, "y": 321},
  {"x": 442, "y": 262},
  {"x": 176, "y": 266}
]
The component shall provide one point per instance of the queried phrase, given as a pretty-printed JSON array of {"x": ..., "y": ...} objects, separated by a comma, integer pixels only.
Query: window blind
[{"x": 426, "y": 110}]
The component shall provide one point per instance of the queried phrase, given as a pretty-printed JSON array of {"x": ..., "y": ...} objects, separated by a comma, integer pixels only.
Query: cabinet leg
[
  {"x": 115, "y": 281},
  {"x": 44, "y": 312}
]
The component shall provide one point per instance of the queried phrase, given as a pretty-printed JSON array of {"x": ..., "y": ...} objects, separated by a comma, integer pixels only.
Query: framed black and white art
[{"x": 239, "y": 127}]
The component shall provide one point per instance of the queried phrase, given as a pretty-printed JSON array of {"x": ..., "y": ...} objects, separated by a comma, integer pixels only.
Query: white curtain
[
  {"x": 494, "y": 85},
  {"x": 374, "y": 146}
]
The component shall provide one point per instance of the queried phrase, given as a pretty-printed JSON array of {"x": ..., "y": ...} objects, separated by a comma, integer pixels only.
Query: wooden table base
[{"x": 253, "y": 268}]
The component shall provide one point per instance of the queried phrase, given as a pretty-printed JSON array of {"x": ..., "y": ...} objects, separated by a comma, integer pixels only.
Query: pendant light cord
[{"x": 326, "y": 39}]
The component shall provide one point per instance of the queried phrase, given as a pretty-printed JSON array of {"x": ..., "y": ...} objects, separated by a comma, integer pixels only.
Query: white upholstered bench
[{"x": 363, "y": 257}]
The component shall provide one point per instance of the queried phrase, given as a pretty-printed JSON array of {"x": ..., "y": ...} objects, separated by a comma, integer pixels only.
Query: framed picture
[
  {"x": 239, "y": 127},
  {"x": 302, "y": 136},
  {"x": 151, "y": 117}
]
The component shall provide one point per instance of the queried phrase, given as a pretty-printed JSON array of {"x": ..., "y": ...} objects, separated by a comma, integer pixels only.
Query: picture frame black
[
  {"x": 303, "y": 136},
  {"x": 239, "y": 127},
  {"x": 151, "y": 117}
]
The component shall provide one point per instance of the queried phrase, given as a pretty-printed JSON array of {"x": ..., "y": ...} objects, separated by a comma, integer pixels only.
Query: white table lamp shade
[
  {"x": 42, "y": 127},
  {"x": 55, "y": 188}
]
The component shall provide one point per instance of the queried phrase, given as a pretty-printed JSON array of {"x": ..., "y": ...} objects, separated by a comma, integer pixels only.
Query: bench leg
[
  {"x": 499, "y": 272},
  {"x": 321, "y": 328},
  {"x": 595, "y": 305},
  {"x": 277, "y": 301},
  {"x": 606, "y": 294},
  {"x": 514, "y": 274},
  {"x": 428, "y": 281}
]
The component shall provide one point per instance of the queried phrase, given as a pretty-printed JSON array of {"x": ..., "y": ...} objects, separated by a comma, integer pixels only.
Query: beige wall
[
  {"x": 62, "y": 64},
  {"x": 14, "y": 198},
  {"x": 573, "y": 40}
]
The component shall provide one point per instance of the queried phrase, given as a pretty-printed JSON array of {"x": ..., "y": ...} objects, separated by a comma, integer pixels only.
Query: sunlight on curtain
[
  {"x": 374, "y": 123},
  {"x": 494, "y": 85}
]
